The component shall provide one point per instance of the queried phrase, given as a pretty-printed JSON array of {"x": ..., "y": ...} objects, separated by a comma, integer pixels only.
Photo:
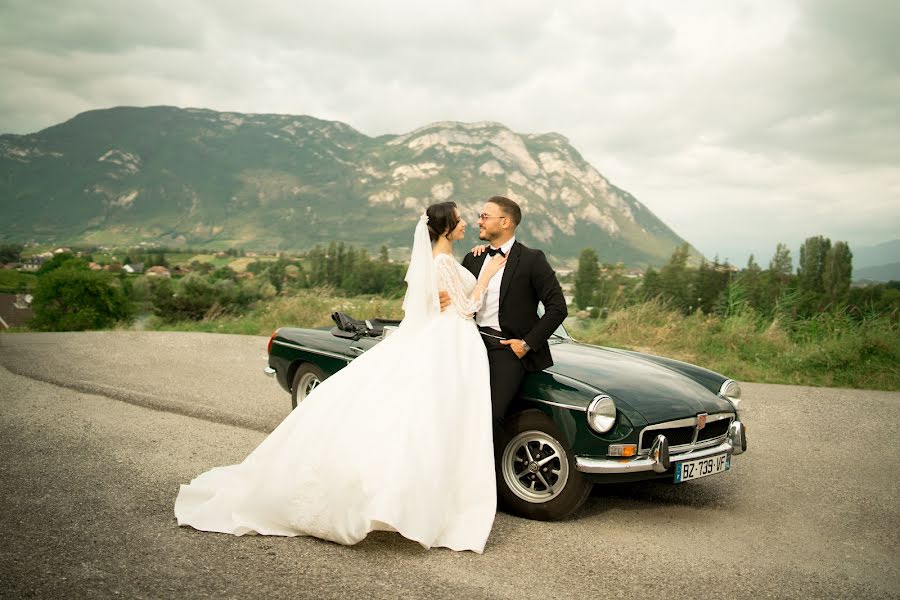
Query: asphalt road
[{"x": 97, "y": 430}]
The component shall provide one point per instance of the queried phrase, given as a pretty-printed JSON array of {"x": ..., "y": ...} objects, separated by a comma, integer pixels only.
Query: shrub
[{"x": 70, "y": 298}]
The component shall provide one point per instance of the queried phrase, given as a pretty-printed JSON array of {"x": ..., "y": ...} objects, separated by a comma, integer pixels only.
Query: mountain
[
  {"x": 877, "y": 255},
  {"x": 282, "y": 182},
  {"x": 889, "y": 272}
]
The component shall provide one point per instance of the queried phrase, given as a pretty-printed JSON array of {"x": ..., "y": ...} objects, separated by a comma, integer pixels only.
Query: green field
[{"x": 15, "y": 281}]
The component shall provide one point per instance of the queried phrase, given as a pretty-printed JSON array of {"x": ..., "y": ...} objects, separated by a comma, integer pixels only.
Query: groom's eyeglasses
[{"x": 485, "y": 217}]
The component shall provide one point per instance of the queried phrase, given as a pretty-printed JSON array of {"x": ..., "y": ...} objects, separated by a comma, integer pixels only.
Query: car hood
[{"x": 657, "y": 392}]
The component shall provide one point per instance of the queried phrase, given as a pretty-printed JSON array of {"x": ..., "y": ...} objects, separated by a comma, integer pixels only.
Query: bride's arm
[{"x": 450, "y": 282}]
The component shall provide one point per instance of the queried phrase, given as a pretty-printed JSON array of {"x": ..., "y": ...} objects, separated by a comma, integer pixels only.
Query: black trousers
[{"x": 507, "y": 373}]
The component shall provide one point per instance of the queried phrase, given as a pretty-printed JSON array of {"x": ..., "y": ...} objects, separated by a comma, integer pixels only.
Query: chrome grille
[
  {"x": 713, "y": 430},
  {"x": 683, "y": 435}
]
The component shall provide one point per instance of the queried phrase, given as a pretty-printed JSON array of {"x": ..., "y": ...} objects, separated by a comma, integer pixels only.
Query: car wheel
[
  {"x": 536, "y": 475},
  {"x": 306, "y": 379}
]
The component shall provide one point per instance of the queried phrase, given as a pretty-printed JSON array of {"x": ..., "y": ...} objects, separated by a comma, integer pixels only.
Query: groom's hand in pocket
[
  {"x": 444, "y": 299},
  {"x": 517, "y": 346}
]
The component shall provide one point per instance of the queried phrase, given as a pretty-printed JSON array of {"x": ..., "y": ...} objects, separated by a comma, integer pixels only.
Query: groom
[{"x": 515, "y": 337}]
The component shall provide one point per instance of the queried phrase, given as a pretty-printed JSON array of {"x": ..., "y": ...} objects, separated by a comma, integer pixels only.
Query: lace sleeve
[{"x": 449, "y": 281}]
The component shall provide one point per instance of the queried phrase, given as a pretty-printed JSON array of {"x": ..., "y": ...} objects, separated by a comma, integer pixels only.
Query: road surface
[{"x": 98, "y": 429}]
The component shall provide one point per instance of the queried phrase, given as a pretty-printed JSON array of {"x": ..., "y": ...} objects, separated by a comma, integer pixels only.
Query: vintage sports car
[{"x": 598, "y": 415}]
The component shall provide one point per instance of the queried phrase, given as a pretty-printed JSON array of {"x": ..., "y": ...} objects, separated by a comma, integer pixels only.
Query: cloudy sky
[{"x": 741, "y": 124}]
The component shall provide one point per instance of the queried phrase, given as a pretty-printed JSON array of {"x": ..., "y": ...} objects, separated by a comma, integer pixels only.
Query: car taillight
[{"x": 271, "y": 339}]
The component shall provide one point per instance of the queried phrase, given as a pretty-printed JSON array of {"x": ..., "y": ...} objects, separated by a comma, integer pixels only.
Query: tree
[
  {"x": 586, "y": 278},
  {"x": 10, "y": 253},
  {"x": 777, "y": 277},
  {"x": 71, "y": 298},
  {"x": 60, "y": 260},
  {"x": 612, "y": 287},
  {"x": 812, "y": 264},
  {"x": 673, "y": 279},
  {"x": 224, "y": 272},
  {"x": 754, "y": 285},
  {"x": 838, "y": 270},
  {"x": 191, "y": 298},
  {"x": 650, "y": 285},
  {"x": 318, "y": 266},
  {"x": 159, "y": 260},
  {"x": 709, "y": 283},
  {"x": 781, "y": 266}
]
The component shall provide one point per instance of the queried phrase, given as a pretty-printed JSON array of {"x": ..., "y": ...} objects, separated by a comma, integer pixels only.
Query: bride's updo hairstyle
[{"x": 442, "y": 220}]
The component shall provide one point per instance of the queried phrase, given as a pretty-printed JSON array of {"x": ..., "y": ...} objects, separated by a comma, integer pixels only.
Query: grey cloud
[
  {"x": 835, "y": 87},
  {"x": 706, "y": 111},
  {"x": 95, "y": 26}
]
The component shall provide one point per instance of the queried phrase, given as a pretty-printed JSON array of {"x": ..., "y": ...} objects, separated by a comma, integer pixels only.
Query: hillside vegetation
[{"x": 201, "y": 178}]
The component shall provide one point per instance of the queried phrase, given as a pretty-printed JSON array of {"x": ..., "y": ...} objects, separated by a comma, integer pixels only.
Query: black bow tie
[{"x": 493, "y": 251}]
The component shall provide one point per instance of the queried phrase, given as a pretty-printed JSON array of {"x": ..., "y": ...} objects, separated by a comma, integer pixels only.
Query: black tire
[
  {"x": 306, "y": 378},
  {"x": 536, "y": 475}
]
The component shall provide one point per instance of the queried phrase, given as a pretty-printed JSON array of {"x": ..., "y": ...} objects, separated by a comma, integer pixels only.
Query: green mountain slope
[
  {"x": 883, "y": 273},
  {"x": 285, "y": 182}
]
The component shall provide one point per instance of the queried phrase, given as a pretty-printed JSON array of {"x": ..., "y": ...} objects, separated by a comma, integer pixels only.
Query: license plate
[{"x": 702, "y": 467}]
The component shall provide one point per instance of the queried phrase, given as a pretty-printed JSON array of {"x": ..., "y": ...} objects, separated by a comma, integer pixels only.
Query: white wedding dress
[{"x": 398, "y": 440}]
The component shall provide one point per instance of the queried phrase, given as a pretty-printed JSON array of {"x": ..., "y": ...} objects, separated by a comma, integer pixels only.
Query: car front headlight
[
  {"x": 601, "y": 414},
  {"x": 731, "y": 390}
]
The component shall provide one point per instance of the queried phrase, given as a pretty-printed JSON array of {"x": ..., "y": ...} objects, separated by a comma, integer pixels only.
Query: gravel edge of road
[{"x": 148, "y": 400}]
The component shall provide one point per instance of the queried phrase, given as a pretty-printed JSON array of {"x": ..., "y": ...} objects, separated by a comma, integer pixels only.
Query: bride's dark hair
[{"x": 442, "y": 219}]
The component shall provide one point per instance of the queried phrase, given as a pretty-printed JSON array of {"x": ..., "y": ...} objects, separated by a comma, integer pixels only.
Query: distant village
[{"x": 16, "y": 307}]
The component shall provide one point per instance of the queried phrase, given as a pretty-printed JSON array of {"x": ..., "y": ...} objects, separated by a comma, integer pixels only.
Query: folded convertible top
[{"x": 368, "y": 327}]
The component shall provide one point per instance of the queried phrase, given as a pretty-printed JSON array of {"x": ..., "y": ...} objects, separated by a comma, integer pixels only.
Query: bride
[{"x": 399, "y": 440}]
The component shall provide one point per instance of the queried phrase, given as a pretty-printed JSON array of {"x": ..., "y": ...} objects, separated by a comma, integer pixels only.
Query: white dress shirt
[{"x": 489, "y": 315}]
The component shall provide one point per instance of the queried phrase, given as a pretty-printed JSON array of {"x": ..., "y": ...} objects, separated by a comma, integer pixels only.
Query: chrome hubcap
[
  {"x": 308, "y": 382},
  {"x": 535, "y": 467}
]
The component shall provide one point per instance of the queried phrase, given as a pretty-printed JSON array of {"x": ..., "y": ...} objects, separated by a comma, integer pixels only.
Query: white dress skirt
[{"x": 399, "y": 440}]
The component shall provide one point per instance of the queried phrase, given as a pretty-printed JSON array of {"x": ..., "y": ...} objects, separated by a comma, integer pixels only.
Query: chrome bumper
[
  {"x": 658, "y": 459},
  {"x": 269, "y": 371}
]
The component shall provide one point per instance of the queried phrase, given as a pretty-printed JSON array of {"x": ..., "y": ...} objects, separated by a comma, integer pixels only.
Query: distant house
[
  {"x": 132, "y": 268},
  {"x": 34, "y": 263},
  {"x": 180, "y": 270},
  {"x": 158, "y": 271},
  {"x": 15, "y": 310},
  {"x": 61, "y": 250},
  {"x": 94, "y": 266}
]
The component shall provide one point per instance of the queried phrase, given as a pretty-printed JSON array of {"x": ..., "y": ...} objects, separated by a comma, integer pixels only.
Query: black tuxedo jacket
[{"x": 527, "y": 280}]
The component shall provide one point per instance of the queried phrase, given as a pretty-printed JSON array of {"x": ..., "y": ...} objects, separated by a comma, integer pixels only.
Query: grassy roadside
[
  {"x": 830, "y": 350},
  {"x": 305, "y": 308}
]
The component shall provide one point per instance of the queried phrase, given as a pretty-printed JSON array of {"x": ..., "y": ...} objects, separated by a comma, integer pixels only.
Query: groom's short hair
[{"x": 509, "y": 208}]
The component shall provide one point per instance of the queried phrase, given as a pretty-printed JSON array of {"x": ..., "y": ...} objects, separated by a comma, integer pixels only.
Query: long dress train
[{"x": 398, "y": 440}]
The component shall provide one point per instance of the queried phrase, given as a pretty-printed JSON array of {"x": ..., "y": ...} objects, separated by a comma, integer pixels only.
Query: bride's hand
[
  {"x": 477, "y": 250},
  {"x": 494, "y": 265}
]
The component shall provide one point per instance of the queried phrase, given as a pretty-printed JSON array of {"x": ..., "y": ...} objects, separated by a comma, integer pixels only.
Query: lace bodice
[{"x": 458, "y": 282}]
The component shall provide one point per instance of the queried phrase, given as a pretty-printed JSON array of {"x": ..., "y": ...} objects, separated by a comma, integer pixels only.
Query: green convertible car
[{"x": 597, "y": 415}]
